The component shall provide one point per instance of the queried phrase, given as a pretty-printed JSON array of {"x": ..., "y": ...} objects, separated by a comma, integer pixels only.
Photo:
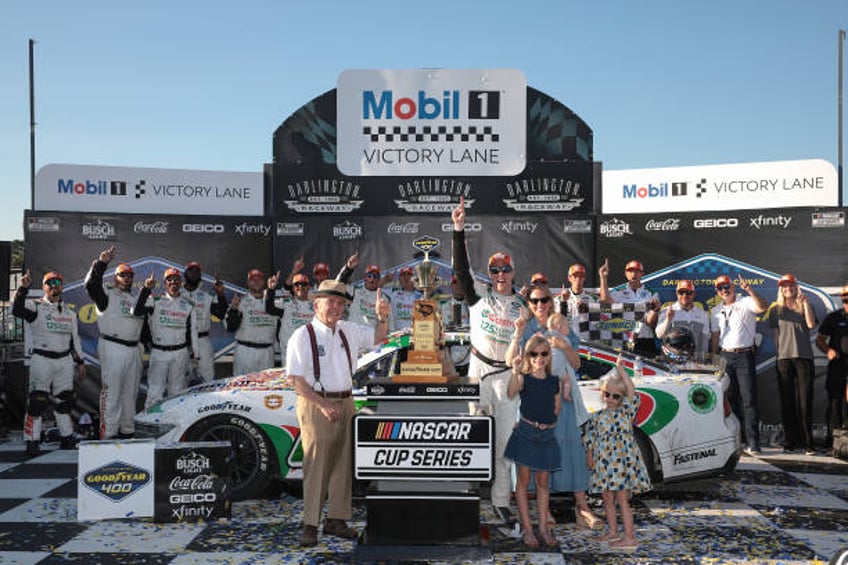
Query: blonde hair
[
  {"x": 532, "y": 344},
  {"x": 557, "y": 319},
  {"x": 796, "y": 305},
  {"x": 614, "y": 382}
]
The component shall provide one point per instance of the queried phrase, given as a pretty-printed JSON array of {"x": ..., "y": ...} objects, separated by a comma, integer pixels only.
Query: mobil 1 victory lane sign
[
  {"x": 448, "y": 448},
  {"x": 431, "y": 122}
]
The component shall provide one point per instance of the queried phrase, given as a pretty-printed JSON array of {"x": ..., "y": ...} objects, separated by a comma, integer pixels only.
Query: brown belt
[
  {"x": 538, "y": 425},
  {"x": 340, "y": 394},
  {"x": 737, "y": 350}
]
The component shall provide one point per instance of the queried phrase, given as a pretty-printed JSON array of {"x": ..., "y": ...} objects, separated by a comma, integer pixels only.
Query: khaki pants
[{"x": 327, "y": 460}]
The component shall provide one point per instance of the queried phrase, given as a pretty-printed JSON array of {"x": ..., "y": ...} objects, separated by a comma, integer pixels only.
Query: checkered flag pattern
[
  {"x": 430, "y": 133},
  {"x": 614, "y": 324}
]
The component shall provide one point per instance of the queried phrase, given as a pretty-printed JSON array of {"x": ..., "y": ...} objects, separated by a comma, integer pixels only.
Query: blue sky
[{"x": 203, "y": 85}]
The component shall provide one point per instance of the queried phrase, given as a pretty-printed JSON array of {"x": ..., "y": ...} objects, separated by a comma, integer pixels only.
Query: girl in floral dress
[{"x": 613, "y": 455}]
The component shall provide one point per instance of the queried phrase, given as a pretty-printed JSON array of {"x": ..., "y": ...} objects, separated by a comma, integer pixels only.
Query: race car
[{"x": 684, "y": 427}]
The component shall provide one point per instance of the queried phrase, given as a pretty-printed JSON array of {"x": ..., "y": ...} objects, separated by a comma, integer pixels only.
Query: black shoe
[
  {"x": 309, "y": 537},
  {"x": 336, "y": 527},
  {"x": 32, "y": 448},
  {"x": 504, "y": 514},
  {"x": 68, "y": 442},
  {"x": 122, "y": 435}
]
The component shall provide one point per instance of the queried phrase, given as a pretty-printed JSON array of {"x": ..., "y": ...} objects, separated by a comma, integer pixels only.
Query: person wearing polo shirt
[
  {"x": 293, "y": 311},
  {"x": 636, "y": 293},
  {"x": 321, "y": 359},
  {"x": 54, "y": 338},
  {"x": 363, "y": 308},
  {"x": 205, "y": 307},
  {"x": 254, "y": 327},
  {"x": 832, "y": 340},
  {"x": 684, "y": 312},
  {"x": 118, "y": 346},
  {"x": 173, "y": 328},
  {"x": 733, "y": 324},
  {"x": 493, "y": 310},
  {"x": 573, "y": 298}
]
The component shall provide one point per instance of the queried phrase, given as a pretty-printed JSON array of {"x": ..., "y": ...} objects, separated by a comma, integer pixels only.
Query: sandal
[
  {"x": 587, "y": 520},
  {"x": 607, "y": 538},
  {"x": 530, "y": 540},
  {"x": 624, "y": 546}
]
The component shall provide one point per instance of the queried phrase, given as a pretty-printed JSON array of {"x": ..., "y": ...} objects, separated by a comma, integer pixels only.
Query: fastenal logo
[
  {"x": 290, "y": 228},
  {"x": 151, "y": 227},
  {"x": 347, "y": 231},
  {"x": 408, "y": 227},
  {"x": 98, "y": 229},
  {"x": 615, "y": 228},
  {"x": 423, "y": 430},
  {"x": 253, "y": 229},
  {"x": 671, "y": 224},
  {"x": 715, "y": 223},
  {"x": 512, "y": 226},
  {"x": 116, "y": 480},
  {"x": 780, "y": 221}
]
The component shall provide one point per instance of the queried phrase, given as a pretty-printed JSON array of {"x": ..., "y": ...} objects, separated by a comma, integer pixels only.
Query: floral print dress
[{"x": 617, "y": 461}]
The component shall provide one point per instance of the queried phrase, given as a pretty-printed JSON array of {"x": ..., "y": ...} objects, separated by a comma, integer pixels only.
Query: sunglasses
[
  {"x": 685, "y": 292},
  {"x": 54, "y": 282},
  {"x": 504, "y": 269},
  {"x": 543, "y": 300},
  {"x": 125, "y": 275},
  {"x": 172, "y": 278},
  {"x": 578, "y": 274},
  {"x": 300, "y": 284},
  {"x": 372, "y": 275},
  {"x": 723, "y": 287},
  {"x": 535, "y": 354},
  {"x": 613, "y": 395}
]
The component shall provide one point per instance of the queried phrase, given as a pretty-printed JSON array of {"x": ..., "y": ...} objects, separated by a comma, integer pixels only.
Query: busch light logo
[
  {"x": 98, "y": 229},
  {"x": 615, "y": 228},
  {"x": 193, "y": 463},
  {"x": 346, "y": 231}
]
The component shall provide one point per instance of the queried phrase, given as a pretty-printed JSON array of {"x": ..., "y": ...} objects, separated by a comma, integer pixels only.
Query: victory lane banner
[{"x": 447, "y": 448}]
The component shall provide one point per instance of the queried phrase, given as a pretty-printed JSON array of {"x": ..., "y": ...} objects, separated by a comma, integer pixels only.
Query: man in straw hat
[{"x": 321, "y": 357}]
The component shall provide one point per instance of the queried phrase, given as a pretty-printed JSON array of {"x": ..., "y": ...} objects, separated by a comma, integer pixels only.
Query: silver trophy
[{"x": 426, "y": 272}]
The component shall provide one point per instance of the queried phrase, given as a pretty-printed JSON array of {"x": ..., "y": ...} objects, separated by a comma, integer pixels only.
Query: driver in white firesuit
[
  {"x": 52, "y": 330},
  {"x": 255, "y": 329},
  {"x": 173, "y": 327},
  {"x": 293, "y": 311},
  {"x": 118, "y": 346},
  {"x": 492, "y": 313},
  {"x": 205, "y": 306}
]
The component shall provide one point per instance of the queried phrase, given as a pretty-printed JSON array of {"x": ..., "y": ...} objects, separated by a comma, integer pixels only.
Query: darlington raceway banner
[
  {"x": 754, "y": 186},
  {"x": 85, "y": 188},
  {"x": 536, "y": 243},
  {"x": 69, "y": 242}
]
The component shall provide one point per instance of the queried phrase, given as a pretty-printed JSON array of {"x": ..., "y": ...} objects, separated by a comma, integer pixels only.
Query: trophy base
[
  {"x": 421, "y": 373},
  {"x": 421, "y": 379}
]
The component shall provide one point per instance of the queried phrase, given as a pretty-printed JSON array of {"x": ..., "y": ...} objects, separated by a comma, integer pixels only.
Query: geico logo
[
  {"x": 190, "y": 498},
  {"x": 436, "y": 389},
  {"x": 717, "y": 223},
  {"x": 203, "y": 228},
  {"x": 469, "y": 226}
]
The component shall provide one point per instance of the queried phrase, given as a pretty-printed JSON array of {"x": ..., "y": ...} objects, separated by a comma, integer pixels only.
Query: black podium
[{"x": 426, "y": 458}]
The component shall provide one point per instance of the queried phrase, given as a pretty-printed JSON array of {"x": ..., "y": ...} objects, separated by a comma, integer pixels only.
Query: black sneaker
[
  {"x": 504, "y": 514},
  {"x": 32, "y": 448}
]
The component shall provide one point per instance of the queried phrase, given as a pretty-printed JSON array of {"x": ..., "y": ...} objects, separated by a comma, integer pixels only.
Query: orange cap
[
  {"x": 193, "y": 265},
  {"x": 500, "y": 257},
  {"x": 172, "y": 272},
  {"x": 539, "y": 278},
  {"x": 255, "y": 274},
  {"x": 576, "y": 268},
  {"x": 406, "y": 271},
  {"x": 300, "y": 278},
  {"x": 634, "y": 265},
  {"x": 321, "y": 268},
  {"x": 373, "y": 269},
  {"x": 787, "y": 279},
  {"x": 687, "y": 284},
  {"x": 123, "y": 268},
  {"x": 723, "y": 279},
  {"x": 49, "y": 275}
]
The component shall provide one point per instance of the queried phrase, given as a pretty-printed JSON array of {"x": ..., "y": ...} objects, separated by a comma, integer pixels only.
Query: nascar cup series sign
[{"x": 431, "y": 122}]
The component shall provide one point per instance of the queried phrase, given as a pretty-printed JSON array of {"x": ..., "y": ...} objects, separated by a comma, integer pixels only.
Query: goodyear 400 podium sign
[{"x": 448, "y": 448}]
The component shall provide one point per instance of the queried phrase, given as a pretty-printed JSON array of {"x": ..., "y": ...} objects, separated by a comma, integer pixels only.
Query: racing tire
[
  {"x": 649, "y": 457},
  {"x": 252, "y": 457}
]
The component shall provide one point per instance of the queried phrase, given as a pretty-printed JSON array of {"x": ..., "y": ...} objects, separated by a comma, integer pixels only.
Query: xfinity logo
[
  {"x": 780, "y": 221},
  {"x": 250, "y": 229},
  {"x": 151, "y": 227},
  {"x": 98, "y": 229},
  {"x": 469, "y": 226},
  {"x": 671, "y": 224},
  {"x": 513, "y": 226},
  {"x": 203, "y": 228},
  {"x": 347, "y": 230},
  {"x": 720, "y": 223},
  {"x": 408, "y": 227}
]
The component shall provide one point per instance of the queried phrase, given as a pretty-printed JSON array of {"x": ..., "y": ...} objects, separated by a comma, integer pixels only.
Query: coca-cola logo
[
  {"x": 408, "y": 227},
  {"x": 671, "y": 224},
  {"x": 151, "y": 227},
  {"x": 198, "y": 483}
]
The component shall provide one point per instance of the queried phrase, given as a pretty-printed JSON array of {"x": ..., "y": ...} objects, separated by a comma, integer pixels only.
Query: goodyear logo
[
  {"x": 116, "y": 480},
  {"x": 426, "y": 243},
  {"x": 423, "y": 430}
]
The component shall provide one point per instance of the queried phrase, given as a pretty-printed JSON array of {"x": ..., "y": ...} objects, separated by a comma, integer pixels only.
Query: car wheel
[
  {"x": 650, "y": 457},
  {"x": 252, "y": 456}
]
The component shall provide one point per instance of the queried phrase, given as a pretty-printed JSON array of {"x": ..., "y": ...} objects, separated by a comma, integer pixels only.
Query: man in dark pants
[
  {"x": 832, "y": 340},
  {"x": 733, "y": 324}
]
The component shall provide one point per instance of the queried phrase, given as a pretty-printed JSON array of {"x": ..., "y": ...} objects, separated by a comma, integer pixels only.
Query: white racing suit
[
  {"x": 173, "y": 328},
  {"x": 255, "y": 331},
  {"x": 402, "y": 304},
  {"x": 205, "y": 306},
  {"x": 292, "y": 313},
  {"x": 119, "y": 353},
  {"x": 492, "y": 322},
  {"x": 53, "y": 335}
]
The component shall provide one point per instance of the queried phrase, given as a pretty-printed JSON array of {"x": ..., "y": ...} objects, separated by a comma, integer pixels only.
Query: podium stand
[{"x": 426, "y": 458}]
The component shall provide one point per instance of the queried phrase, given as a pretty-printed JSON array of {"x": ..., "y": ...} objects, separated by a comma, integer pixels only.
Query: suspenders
[{"x": 316, "y": 365}]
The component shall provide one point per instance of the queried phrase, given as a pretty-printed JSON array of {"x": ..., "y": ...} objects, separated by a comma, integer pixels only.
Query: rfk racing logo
[
  {"x": 347, "y": 231},
  {"x": 615, "y": 228},
  {"x": 98, "y": 229}
]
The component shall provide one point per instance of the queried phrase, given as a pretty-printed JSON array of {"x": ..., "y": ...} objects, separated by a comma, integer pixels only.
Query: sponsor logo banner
[
  {"x": 85, "y": 188},
  {"x": 192, "y": 482},
  {"x": 828, "y": 219},
  {"x": 431, "y": 122},
  {"x": 779, "y": 184}
]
